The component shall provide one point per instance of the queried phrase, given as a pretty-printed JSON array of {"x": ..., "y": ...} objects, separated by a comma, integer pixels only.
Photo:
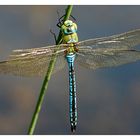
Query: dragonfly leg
[
  {"x": 73, "y": 17},
  {"x": 61, "y": 21},
  {"x": 54, "y": 35}
]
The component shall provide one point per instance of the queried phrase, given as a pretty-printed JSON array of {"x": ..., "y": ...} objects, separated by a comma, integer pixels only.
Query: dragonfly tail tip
[{"x": 73, "y": 129}]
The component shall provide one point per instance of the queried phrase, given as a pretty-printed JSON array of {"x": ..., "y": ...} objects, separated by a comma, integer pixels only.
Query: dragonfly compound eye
[{"x": 68, "y": 23}]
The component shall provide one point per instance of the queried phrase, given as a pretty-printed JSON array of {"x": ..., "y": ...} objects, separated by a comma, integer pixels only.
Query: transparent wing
[
  {"x": 33, "y": 62},
  {"x": 109, "y": 51},
  {"x": 109, "y": 59},
  {"x": 123, "y": 41}
]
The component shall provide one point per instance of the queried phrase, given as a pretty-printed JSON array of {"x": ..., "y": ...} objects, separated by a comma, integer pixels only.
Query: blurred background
[{"x": 108, "y": 99}]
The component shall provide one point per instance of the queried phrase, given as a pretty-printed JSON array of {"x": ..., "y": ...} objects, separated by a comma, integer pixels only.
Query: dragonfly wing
[
  {"x": 124, "y": 41},
  {"x": 109, "y": 51},
  {"x": 110, "y": 58},
  {"x": 32, "y": 62}
]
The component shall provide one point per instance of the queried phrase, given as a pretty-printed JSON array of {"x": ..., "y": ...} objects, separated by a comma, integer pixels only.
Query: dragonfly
[{"x": 95, "y": 53}]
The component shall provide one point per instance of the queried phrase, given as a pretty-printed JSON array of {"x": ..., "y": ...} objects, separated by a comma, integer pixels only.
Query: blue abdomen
[{"x": 72, "y": 92}]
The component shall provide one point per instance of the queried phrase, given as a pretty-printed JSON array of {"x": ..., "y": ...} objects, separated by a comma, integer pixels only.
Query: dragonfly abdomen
[{"x": 72, "y": 92}]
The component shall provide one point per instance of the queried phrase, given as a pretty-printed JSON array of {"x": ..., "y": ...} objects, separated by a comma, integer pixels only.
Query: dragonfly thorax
[
  {"x": 69, "y": 32},
  {"x": 71, "y": 50}
]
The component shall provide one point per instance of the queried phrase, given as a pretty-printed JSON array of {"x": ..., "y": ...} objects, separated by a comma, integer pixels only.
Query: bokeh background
[{"x": 108, "y": 99}]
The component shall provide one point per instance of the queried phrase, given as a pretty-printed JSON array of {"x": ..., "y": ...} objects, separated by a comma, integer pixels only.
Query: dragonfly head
[{"x": 69, "y": 27}]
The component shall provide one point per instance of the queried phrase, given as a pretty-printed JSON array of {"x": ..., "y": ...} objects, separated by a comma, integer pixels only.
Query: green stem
[{"x": 46, "y": 79}]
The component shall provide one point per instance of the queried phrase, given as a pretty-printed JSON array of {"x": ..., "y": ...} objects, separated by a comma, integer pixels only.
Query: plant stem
[{"x": 46, "y": 79}]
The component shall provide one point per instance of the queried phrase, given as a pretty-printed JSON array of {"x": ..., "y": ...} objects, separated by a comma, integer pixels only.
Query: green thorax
[{"x": 69, "y": 35}]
